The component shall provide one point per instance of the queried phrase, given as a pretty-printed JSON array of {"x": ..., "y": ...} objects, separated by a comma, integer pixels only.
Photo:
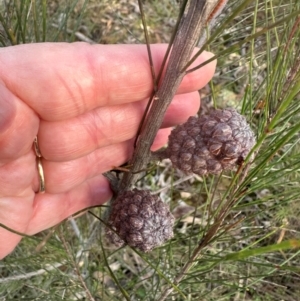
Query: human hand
[{"x": 84, "y": 103}]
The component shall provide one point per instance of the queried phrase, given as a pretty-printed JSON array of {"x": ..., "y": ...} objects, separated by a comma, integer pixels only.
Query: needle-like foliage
[{"x": 236, "y": 235}]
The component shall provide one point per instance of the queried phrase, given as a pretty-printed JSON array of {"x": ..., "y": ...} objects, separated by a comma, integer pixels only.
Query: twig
[
  {"x": 206, "y": 239},
  {"x": 190, "y": 29},
  {"x": 213, "y": 229},
  {"x": 33, "y": 274},
  {"x": 148, "y": 45},
  {"x": 87, "y": 291},
  {"x": 182, "y": 180},
  {"x": 75, "y": 228}
]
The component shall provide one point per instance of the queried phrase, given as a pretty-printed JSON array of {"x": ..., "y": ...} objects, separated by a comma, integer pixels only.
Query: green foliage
[
  {"x": 240, "y": 239},
  {"x": 30, "y": 21}
]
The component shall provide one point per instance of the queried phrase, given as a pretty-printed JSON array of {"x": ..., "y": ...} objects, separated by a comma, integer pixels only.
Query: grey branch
[{"x": 192, "y": 26}]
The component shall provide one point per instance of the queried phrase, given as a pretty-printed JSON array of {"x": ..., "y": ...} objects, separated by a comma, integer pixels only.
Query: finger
[
  {"x": 17, "y": 178},
  {"x": 51, "y": 209},
  {"x": 18, "y": 126},
  {"x": 61, "y": 80},
  {"x": 15, "y": 213},
  {"x": 64, "y": 176},
  {"x": 18, "y": 175},
  {"x": 76, "y": 137}
]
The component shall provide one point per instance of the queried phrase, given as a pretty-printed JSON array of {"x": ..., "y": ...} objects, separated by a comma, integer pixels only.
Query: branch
[{"x": 192, "y": 26}]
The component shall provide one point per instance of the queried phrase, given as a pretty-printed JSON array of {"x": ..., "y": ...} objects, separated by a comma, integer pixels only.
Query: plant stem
[{"x": 191, "y": 27}]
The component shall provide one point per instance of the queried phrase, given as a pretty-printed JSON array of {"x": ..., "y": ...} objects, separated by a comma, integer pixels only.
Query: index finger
[{"x": 60, "y": 80}]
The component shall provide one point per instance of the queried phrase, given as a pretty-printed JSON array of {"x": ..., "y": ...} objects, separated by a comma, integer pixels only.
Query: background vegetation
[{"x": 244, "y": 226}]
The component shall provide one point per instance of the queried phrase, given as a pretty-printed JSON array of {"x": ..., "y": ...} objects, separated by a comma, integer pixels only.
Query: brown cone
[
  {"x": 141, "y": 220},
  {"x": 210, "y": 143}
]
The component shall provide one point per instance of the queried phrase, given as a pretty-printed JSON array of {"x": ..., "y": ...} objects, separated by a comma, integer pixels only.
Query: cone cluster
[{"x": 203, "y": 145}]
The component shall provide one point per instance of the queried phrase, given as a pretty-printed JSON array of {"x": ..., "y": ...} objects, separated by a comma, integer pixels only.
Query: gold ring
[
  {"x": 36, "y": 147},
  {"x": 41, "y": 175},
  {"x": 39, "y": 165}
]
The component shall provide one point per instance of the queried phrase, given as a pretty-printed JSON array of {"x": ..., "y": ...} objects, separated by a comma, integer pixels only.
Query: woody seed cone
[
  {"x": 210, "y": 143},
  {"x": 140, "y": 220}
]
